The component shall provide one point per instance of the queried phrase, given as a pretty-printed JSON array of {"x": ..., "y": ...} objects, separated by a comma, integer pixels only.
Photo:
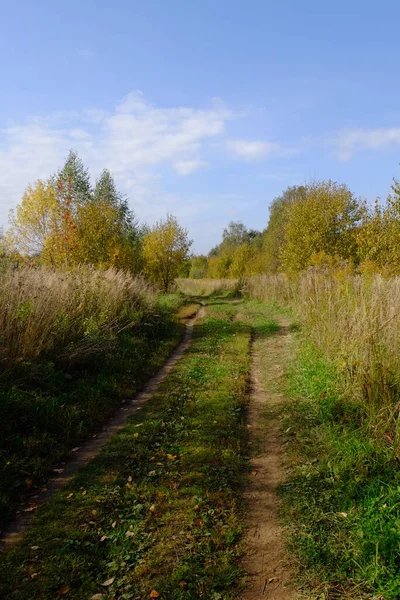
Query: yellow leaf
[
  {"x": 154, "y": 594},
  {"x": 64, "y": 590},
  {"x": 171, "y": 456},
  {"x": 84, "y": 493},
  {"x": 254, "y": 473},
  {"x": 70, "y": 495}
]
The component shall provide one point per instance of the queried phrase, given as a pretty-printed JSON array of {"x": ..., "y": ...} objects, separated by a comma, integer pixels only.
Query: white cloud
[
  {"x": 252, "y": 151},
  {"x": 135, "y": 141},
  {"x": 351, "y": 141},
  {"x": 185, "y": 167}
]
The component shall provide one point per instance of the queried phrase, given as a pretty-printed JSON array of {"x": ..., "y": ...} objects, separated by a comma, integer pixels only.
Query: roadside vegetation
[
  {"x": 341, "y": 499},
  {"x": 158, "y": 513},
  {"x": 73, "y": 346}
]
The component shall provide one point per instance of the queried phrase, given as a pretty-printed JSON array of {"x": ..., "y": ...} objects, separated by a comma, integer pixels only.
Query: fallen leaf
[
  {"x": 35, "y": 547},
  {"x": 342, "y": 514},
  {"x": 135, "y": 435},
  {"x": 109, "y": 582},
  {"x": 199, "y": 522},
  {"x": 171, "y": 456},
  {"x": 97, "y": 597},
  {"x": 43, "y": 490},
  {"x": 130, "y": 478},
  {"x": 152, "y": 508},
  {"x": 84, "y": 493},
  {"x": 160, "y": 494},
  {"x": 114, "y": 525},
  {"x": 151, "y": 474},
  {"x": 182, "y": 584},
  {"x": 75, "y": 449},
  {"x": 58, "y": 470},
  {"x": 30, "y": 509},
  {"x": 34, "y": 575},
  {"x": 139, "y": 425},
  {"x": 64, "y": 590},
  {"x": 70, "y": 495},
  {"x": 28, "y": 483},
  {"x": 129, "y": 534},
  {"x": 102, "y": 539},
  {"x": 128, "y": 486},
  {"x": 154, "y": 594},
  {"x": 254, "y": 473}
]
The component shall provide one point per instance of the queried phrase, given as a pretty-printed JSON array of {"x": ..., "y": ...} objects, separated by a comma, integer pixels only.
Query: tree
[
  {"x": 106, "y": 230},
  {"x": 35, "y": 226},
  {"x": 273, "y": 237},
  {"x": 198, "y": 267},
  {"x": 234, "y": 236},
  {"x": 165, "y": 250},
  {"x": 323, "y": 219},
  {"x": 242, "y": 261}
]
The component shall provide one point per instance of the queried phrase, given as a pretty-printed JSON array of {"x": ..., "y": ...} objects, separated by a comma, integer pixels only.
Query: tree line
[
  {"x": 65, "y": 222},
  {"x": 321, "y": 224}
]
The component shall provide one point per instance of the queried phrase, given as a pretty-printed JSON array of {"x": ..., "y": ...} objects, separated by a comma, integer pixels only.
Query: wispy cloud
[
  {"x": 137, "y": 141},
  {"x": 252, "y": 150},
  {"x": 351, "y": 141}
]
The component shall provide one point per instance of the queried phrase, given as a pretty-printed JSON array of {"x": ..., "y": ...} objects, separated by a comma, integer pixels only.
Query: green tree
[
  {"x": 323, "y": 219},
  {"x": 165, "y": 251},
  {"x": 198, "y": 267},
  {"x": 273, "y": 238}
]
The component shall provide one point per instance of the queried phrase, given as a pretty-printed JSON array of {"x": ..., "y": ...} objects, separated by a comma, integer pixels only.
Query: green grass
[
  {"x": 48, "y": 408},
  {"x": 160, "y": 508},
  {"x": 342, "y": 499}
]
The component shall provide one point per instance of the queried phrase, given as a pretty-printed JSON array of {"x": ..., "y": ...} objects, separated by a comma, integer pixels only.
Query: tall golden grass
[
  {"x": 66, "y": 314},
  {"x": 355, "y": 323},
  {"x": 206, "y": 287}
]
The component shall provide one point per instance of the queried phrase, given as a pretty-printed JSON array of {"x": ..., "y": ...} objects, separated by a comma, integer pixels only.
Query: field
[{"x": 164, "y": 509}]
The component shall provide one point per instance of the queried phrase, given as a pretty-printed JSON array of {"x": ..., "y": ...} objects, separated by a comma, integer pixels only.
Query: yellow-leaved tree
[
  {"x": 165, "y": 252},
  {"x": 324, "y": 218},
  {"x": 34, "y": 227}
]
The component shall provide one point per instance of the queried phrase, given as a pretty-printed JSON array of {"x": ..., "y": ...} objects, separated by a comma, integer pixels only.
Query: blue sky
[{"x": 207, "y": 109}]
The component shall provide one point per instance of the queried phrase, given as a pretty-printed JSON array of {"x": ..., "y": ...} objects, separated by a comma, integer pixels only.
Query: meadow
[{"x": 73, "y": 346}]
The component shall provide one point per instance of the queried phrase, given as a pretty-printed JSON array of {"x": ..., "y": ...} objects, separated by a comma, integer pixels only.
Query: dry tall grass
[
  {"x": 355, "y": 323},
  {"x": 206, "y": 287},
  {"x": 66, "y": 314}
]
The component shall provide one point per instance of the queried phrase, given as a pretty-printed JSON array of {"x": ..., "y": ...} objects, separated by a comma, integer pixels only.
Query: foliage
[
  {"x": 34, "y": 227},
  {"x": 65, "y": 222},
  {"x": 165, "y": 252},
  {"x": 198, "y": 267},
  {"x": 322, "y": 220},
  {"x": 274, "y": 236}
]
